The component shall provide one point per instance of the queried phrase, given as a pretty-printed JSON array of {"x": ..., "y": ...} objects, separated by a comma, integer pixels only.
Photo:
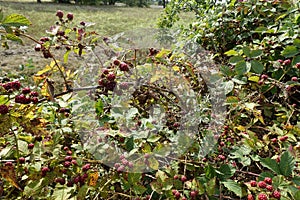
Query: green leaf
[
  {"x": 134, "y": 178},
  {"x": 153, "y": 163},
  {"x": 270, "y": 164},
  {"x": 66, "y": 56},
  {"x": 247, "y": 51},
  {"x": 225, "y": 171},
  {"x": 139, "y": 189},
  {"x": 286, "y": 164},
  {"x": 14, "y": 38},
  {"x": 241, "y": 68},
  {"x": 209, "y": 172},
  {"x": 256, "y": 66},
  {"x": 233, "y": 187},
  {"x": 228, "y": 86},
  {"x": 297, "y": 42},
  {"x": 211, "y": 186},
  {"x": 290, "y": 51},
  {"x": 129, "y": 145},
  {"x": 256, "y": 53},
  {"x": 296, "y": 60},
  {"x": 99, "y": 107},
  {"x": 81, "y": 193},
  {"x": 1, "y": 15},
  {"x": 16, "y": 20},
  {"x": 297, "y": 195},
  {"x": 235, "y": 59}
]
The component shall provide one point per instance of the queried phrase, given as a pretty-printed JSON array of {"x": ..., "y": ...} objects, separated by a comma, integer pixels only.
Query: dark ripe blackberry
[
  {"x": 7, "y": 86},
  {"x": 111, "y": 85},
  {"x": 124, "y": 67},
  {"x": 34, "y": 94},
  {"x": 3, "y": 109},
  {"x": 70, "y": 16},
  {"x": 59, "y": 14},
  {"x": 26, "y": 90},
  {"x": 16, "y": 85}
]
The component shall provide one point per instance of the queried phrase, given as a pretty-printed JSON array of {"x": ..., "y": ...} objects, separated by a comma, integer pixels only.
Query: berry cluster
[
  {"x": 123, "y": 165},
  {"x": 122, "y": 65},
  {"x": 107, "y": 80},
  {"x": 27, "y": 96},
  {"x": 266, "y": 186},
  {"x": 11, "y": 86}
]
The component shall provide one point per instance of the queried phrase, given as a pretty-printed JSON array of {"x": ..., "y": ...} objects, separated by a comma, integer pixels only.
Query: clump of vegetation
[{"x": 62, "y": 140}]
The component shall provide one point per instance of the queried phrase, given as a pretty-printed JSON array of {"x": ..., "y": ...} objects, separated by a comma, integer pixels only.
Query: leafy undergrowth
[{"x": 64, "y": 139}]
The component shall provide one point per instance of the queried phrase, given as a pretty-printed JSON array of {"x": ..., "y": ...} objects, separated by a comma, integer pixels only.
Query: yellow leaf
[
  {"x": 176, "y": 68},
  {"x": 93, "y": 178},
  {"x": 8, "y": 172}
]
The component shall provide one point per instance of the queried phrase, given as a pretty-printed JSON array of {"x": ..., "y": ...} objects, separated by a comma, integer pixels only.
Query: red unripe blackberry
[
  {"x": 117, "y": 165},
  {"x": 68, "y": 158},
  {"x": 294, "y": 79},
  {"x": 3, "y": 109},
  {"x": 45, "y": 169},
  {"x": 183, "y": 178},
  {"x": 130, "y": 165},
  {"x": 221, "y": 157},
  {"x": 86, "y": 167},
  {"x": 121, "y": 168},
  {"x": 298, "y": 65},
  {"x": 8, "y": 163},
  {"x": 269, "y": 188},
  {"x": 176, "y": 177},
  {"x": 260, "y": 82},
  {"x": 262, "y": 196},
  {"x": 124, "y": 162},
  {"x": 59, "y": 14},
  {"x": 262, "y": 184},
  {"x": 274, "y": 140},
  {"x": 176, "y": 125},
  {"x": 264, "y": 76},
  {"x": 183, "y": 198},
  {"x": 177, "y": 194},
  {"x": 69, "y": 152},
  {"x": 268, "y": 180},
  {"x": 21, "y": 160},
  {"x": 147, "y": 156},
  {"x": 287, "y": 62},
  {"x": 74, "y": 162},
  {"x": 66, "y": 148},
  {"x": 30, "y": 146},
  {"x": 193, "y": 194},
  {"x": 280, "y": 61},
  {"x": 70, "y": 16},
  {"x": 283, "y": 138},
  {"x": 250, "y": 197},
  {"x": 253, "y": 183},
  {"x": 67, "y": 164},
  {"x": 276, "y": 194}
]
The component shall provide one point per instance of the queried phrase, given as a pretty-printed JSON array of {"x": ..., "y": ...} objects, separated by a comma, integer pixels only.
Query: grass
[{"x": 109, "y": 19}]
